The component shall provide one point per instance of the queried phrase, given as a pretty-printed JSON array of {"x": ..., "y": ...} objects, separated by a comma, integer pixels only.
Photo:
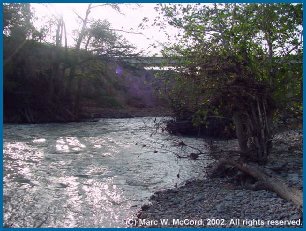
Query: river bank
[
  {"x": 93, "y": 114},
  {"x": 217, "y": 202},
  {"x": 127, "y": 112}
]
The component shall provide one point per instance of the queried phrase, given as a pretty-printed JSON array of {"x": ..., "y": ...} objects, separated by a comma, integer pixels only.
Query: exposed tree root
[{"x": 266, "y": 181}]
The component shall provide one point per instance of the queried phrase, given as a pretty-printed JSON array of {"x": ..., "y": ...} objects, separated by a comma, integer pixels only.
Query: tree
[
  {"x": 220, "y": 45},
  {"x": 101, "y": 37},
  {"x": 44, "y": 82},
  {"x": 102, "y": 40},
  {"x": 17, "y": 25},
  {"x": 17, "y": 20}
]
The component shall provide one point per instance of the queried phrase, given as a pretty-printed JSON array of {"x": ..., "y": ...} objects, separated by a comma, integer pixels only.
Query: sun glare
[{"x": 124, "y": 23}]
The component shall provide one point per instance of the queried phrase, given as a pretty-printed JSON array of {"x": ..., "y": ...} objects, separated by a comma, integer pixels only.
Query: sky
[{"x": 129, "y": 20}]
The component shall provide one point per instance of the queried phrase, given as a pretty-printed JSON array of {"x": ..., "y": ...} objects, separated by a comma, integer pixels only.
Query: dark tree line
[{"x": 43, "y": 76}]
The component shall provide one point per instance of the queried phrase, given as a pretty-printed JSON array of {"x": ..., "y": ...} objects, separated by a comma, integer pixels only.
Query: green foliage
[
  {"x": 100, "y": 37},
  {"x": 17, "y": 20},
  {"x": 51, "y": 80},
  {"x": 200, "y": 117},
  {"x": 220, "y": 42},
  {"x": 37, "y": 76}
]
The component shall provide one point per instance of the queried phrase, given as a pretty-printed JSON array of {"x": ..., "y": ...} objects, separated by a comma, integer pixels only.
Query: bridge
[{"x": 149, "y": 61}]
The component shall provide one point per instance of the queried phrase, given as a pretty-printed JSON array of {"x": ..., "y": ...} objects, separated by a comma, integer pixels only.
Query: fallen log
[{"x": 270, "y": 182}]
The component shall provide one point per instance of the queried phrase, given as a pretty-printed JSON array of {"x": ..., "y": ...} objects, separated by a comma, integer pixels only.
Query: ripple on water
[{"x": 87, "y": 174}]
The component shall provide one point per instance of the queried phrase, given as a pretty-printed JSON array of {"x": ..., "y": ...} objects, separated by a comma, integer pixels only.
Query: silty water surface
[{"x": 89, "y": 174}]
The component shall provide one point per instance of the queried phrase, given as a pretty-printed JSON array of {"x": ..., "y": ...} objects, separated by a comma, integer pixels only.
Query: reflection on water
[
  {"x": 69, "y": 144},
  {"x": 88, "y": 174}
]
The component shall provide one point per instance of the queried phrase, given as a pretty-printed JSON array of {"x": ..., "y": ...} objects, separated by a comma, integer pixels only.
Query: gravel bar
[{"x": 219, "y": 202}]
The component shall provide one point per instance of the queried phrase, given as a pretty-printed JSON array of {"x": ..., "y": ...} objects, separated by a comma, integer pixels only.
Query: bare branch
[
  {"x": 112, "y": 5},
  {"x": 130, "y": 32},
  {"x": 95, "y": 6},
  {"x": 78, "y": 16}
]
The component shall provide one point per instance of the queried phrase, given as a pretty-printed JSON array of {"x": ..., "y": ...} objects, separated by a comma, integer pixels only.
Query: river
[{"x": 90, "y": 174}]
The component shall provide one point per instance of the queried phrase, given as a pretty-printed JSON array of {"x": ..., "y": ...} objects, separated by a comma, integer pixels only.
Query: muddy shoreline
[{"x": 218, "y": 202}]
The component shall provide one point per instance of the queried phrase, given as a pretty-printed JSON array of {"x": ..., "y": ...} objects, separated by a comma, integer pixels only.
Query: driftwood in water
[{"x": 268, "y": 181}]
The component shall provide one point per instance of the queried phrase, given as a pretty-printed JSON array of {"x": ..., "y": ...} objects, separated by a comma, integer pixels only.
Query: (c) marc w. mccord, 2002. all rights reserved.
[{"x": 212, "y": 222}]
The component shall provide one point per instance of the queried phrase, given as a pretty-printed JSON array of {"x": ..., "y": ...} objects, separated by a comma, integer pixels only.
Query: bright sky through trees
[{"x": 128, "y": 20}]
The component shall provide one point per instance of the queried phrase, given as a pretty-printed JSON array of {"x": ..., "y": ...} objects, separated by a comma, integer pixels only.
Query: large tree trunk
[
  {"x": 271, "y": 183},
  {"x": 253, "y": 130},
  {"x": 241, "y": 131},
  {"x": 72, "y": 75}
]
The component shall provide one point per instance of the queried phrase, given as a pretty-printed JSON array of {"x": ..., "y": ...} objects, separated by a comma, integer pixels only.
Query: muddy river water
[{"x": 90, "y": 174}]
